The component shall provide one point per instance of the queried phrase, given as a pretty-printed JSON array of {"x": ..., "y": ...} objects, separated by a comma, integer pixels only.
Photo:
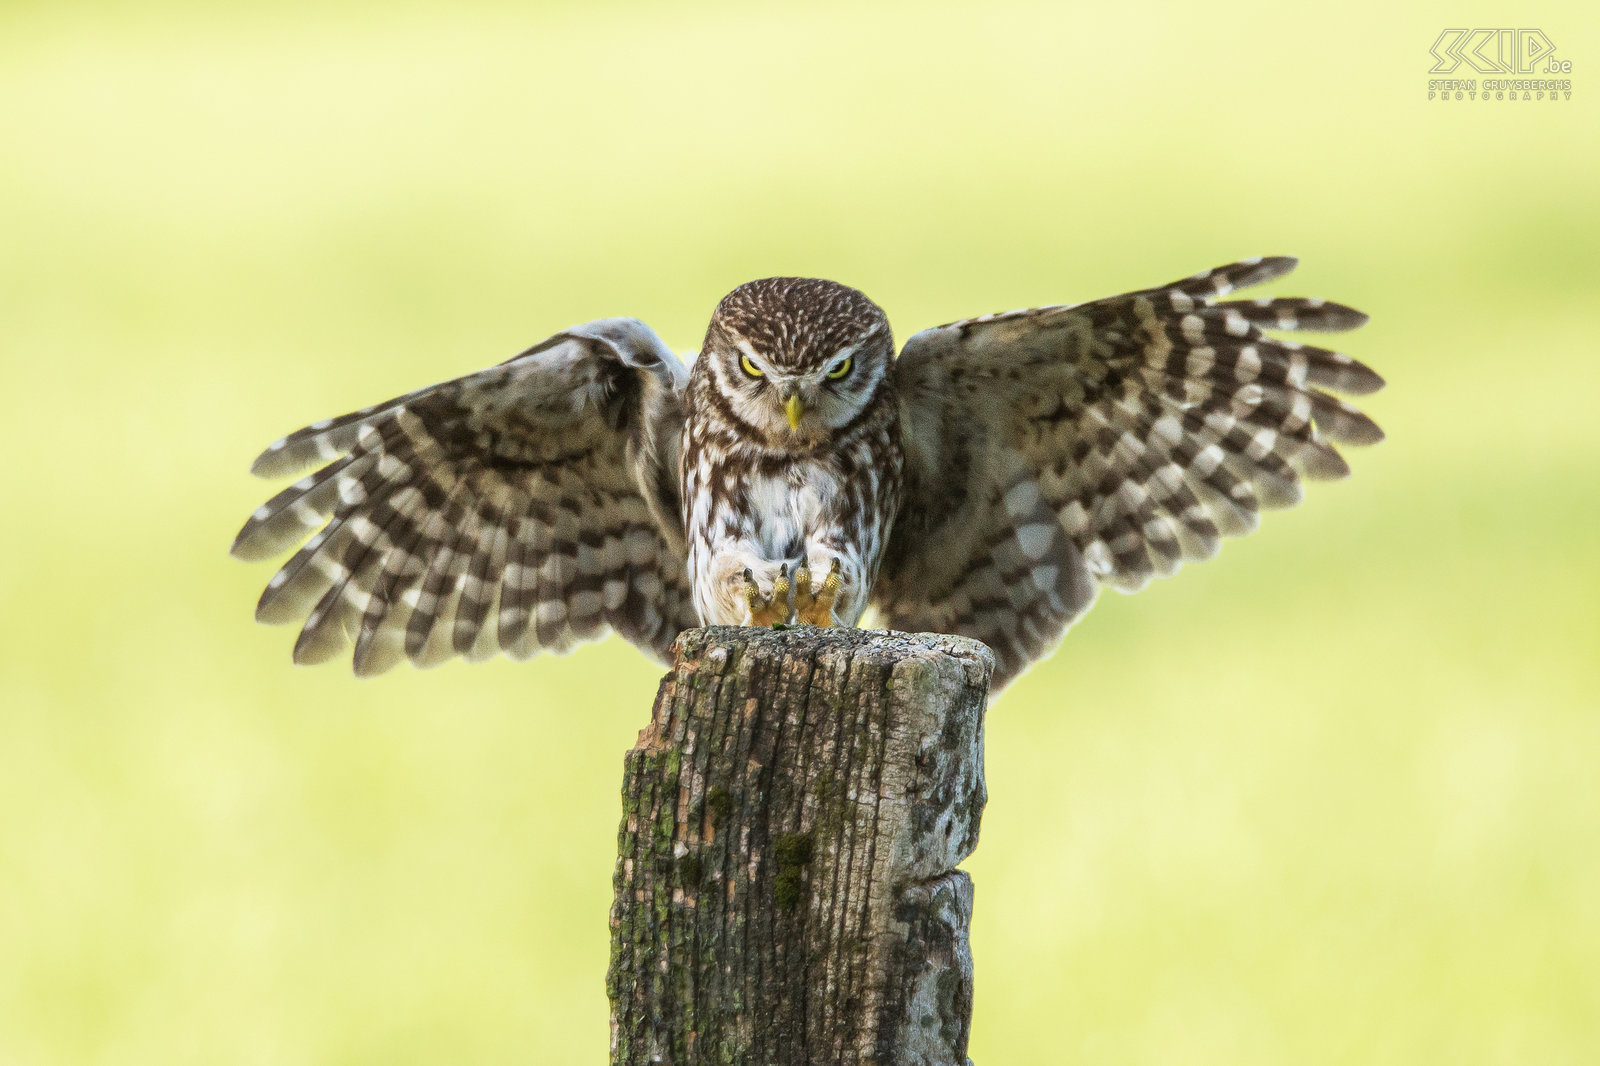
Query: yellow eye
[
  {"x": 749, "y": 367},
  {"x": 842, "y": 369}
]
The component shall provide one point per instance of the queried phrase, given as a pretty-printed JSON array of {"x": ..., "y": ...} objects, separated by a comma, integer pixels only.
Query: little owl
[{"x": 986, "y": 482}]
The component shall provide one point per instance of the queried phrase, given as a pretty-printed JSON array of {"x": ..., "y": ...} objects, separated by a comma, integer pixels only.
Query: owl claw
[
  {"x": 816, "y": 609},
  {"x": 768, "y": 610}
]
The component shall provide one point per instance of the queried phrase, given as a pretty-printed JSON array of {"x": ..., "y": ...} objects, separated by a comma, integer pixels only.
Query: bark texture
[{"x": 786, "y": 890}]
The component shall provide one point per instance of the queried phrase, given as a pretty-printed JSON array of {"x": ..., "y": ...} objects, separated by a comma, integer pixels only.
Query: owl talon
[
  {"x": 816, "y": 609},
  {"x": 768, "y": 610}
]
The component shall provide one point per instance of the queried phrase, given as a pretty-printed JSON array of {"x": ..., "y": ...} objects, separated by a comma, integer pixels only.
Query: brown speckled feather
[
  {"x": 1123, "y": 437},
  {"x": 519, "y": 509}
]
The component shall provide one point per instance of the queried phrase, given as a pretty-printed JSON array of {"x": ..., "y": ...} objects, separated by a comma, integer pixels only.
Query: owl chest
[{"x": 778, "y": 511}]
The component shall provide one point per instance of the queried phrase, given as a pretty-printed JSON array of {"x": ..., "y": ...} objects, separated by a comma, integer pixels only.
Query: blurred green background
[{"x": 1331, "y": 798}]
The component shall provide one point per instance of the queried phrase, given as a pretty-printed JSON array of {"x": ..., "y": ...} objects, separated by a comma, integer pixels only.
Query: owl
[{"x": 986, "y": 482}]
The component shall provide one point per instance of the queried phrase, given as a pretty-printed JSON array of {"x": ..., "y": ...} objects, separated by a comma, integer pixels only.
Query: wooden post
[{"x": 786, "y": 882}]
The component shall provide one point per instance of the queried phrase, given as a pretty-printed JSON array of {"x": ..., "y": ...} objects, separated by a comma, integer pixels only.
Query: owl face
[{"x": 797, "y": 358}]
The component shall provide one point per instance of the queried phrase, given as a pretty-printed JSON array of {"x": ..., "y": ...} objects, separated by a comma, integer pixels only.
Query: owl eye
[
  {"x": 842, "y": 369},
  {"x": 749, "y": 367}
]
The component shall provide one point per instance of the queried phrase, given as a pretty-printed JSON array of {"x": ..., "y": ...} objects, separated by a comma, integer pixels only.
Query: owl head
[{"x": 798, "y": 358}]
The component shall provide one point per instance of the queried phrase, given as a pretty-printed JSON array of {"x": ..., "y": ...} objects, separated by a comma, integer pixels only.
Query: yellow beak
[{"x": 795, "y": 408}]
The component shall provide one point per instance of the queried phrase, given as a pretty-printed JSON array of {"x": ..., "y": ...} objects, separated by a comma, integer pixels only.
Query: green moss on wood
[
  {"x": 689, "y": 871},
  {"x": 792, "y": 851},
  {"x": 720, "y": 800}
]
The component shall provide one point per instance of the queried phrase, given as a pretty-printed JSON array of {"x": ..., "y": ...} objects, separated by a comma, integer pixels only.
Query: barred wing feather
[
  {"x": 1144, "y": 427},
  {"x": 523, "y": 508}
]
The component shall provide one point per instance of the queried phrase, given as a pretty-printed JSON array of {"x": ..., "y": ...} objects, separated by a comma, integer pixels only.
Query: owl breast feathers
[{"x": 985, "y": 482}]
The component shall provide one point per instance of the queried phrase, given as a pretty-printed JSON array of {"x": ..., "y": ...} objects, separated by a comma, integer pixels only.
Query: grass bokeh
[{"x": 1330, "y": 798}]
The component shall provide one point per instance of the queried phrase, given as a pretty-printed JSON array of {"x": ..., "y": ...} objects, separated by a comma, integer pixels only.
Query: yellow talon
[
  {"x": 816, "y": 609},
  {"x": 770, "y": 610}
]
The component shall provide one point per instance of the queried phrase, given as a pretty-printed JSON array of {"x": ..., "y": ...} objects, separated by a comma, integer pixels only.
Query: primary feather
[
  {"x": 1152, "y": 423},
  {"x": 454, "y": 513}
]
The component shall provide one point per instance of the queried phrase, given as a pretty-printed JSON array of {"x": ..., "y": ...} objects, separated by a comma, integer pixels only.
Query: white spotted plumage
[
  {"x": 769, "y": 496},
  {"x": 986, "y": 482}
]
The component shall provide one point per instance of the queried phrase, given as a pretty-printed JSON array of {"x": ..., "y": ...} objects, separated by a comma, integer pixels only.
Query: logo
[{"x": 1516, "y": 52}]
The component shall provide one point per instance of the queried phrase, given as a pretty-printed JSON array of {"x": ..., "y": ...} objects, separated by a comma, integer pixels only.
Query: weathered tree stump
[{"x": 786, "y": 882}]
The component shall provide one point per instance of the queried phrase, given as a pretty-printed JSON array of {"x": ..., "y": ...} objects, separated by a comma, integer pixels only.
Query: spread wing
[
  {"x": 1056, "y": 449},
  {"x": 522, "y": 509}
]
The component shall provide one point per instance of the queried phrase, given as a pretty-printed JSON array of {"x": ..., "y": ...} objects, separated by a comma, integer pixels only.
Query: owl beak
[{"x": 795, "y": 409}]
